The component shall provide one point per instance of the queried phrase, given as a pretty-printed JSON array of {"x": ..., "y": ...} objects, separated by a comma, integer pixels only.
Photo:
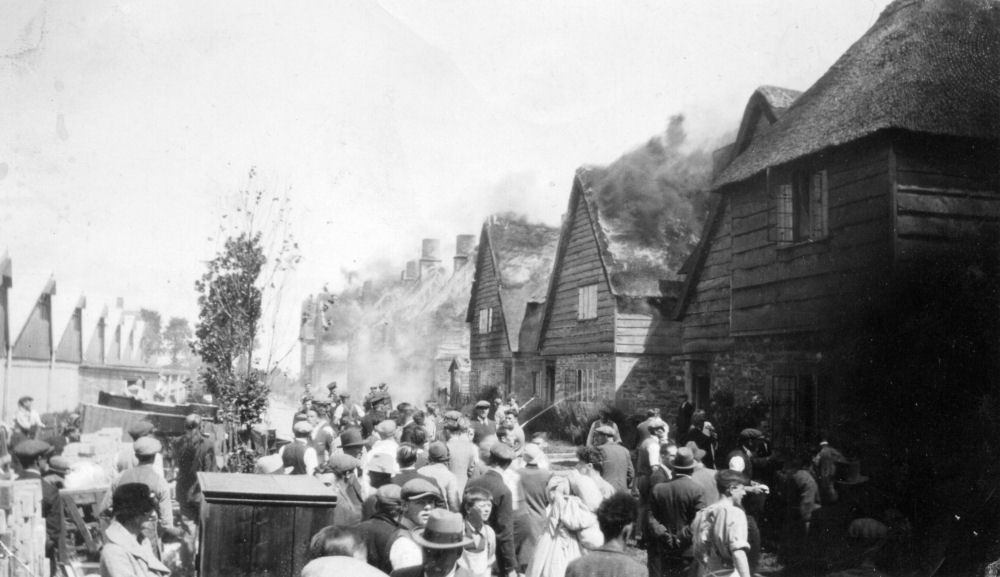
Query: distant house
[
  {"x": 892, "y": 155},
  {"x": 511, "y": 276},
  {"x": 606, "y": 328}
]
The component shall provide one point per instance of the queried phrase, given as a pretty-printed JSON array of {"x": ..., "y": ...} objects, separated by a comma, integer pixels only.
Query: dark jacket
[
  {"x": 533, "y": 489},
  {"x": 672, "y": 509},
  {"x": 501, "y": 518},
  {"x": 482, "y": 430},
  {"x": 379, "y": 533},
  {"x": 617, "y": 464}
]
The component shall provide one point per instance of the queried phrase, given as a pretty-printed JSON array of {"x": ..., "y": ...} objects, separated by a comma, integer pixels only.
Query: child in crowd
[{"x": 478, "y": 558}]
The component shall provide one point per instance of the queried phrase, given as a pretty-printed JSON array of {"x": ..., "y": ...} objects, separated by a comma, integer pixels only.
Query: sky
[{"x": 127, "y": 128}]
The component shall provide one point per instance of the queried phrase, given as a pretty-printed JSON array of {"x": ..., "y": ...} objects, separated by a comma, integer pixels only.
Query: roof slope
[
  {"x": 925, "y": 66},
  {"x": 523, "y": 254}
]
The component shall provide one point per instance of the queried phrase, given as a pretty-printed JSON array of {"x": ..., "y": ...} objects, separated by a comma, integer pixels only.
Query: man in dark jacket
[
  {"x": 617, "y": 461},
  {"x": 482, "y": 426},
  {"x": 684, "y": 414},
  {"x": 502, "y": 516},
  {"x": 382, "y": 530},
  {"x": 193, "y": 453},
  {"x": 672, "y": 509}
]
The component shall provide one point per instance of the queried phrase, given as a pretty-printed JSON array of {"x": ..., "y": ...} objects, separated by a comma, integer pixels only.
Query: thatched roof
[
  {"x": 930, "y": 66},
  {"x": 523, "y": 254},
  {"x": 635, "y": 257}
]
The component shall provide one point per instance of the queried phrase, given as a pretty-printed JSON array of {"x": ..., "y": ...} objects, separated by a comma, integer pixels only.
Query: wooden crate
[{"x": 260, "y": 524}]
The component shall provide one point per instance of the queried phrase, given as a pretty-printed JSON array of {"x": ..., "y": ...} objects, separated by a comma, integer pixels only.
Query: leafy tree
[
  {"x": 232, "y": 303},
  {"x": 177, "y": 337},
  {"x": 151, "y": 344}
]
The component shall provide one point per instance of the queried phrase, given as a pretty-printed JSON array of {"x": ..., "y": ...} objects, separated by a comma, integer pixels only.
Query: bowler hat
[
  {"x": 437, "y": 452},
  {"x": 444, "y": 530},
  {"x": 351, "y": 438}
]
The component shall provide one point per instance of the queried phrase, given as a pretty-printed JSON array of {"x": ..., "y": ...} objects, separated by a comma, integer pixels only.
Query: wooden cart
[{"x": 260, "y": 524}]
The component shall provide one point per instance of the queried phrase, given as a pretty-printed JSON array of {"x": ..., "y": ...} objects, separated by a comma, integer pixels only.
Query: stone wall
[
  {"x": 487, "y": 373},
  {"x": 649, "y": 382}
]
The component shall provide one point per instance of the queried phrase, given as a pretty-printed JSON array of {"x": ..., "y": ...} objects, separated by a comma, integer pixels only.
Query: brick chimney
[
  {"x": 430, "y": 257},
  {"x": 464, "y": 245},
  {"x": 412, "y": 272}
]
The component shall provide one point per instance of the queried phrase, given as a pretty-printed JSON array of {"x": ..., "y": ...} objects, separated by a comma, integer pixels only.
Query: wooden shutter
[
  {"x": 818, "y": 202},
  {"x": 784, "y": 212}
]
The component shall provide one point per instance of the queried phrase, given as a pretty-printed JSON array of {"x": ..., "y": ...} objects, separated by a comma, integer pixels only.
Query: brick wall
[{"x": 487, "y": 373}]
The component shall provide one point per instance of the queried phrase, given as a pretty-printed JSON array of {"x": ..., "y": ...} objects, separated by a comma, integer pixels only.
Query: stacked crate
[
  {"x": 100, "y": 447},
  {"x": 22, "y": 529}
]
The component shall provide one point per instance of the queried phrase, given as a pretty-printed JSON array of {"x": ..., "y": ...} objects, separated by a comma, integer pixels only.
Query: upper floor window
[
  {"x": 586, "y": 305},
  {"x": 801, "y": 208},
  {"x": 485, "y": 320}
]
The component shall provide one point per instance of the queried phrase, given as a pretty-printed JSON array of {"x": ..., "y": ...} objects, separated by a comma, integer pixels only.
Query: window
[
  {"x": 586, "y": 384},
  {"x": 801, "y": 208},
  {"x": 586, "y": 304},
  {"x": 793, "y": 409},
  {"x": 485, "y": 321}
]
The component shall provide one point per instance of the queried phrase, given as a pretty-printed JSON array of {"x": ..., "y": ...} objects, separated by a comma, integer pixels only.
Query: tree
[
  {"x": 244, "y": 281},
  {"x": 177, "y": 338},
  {"x": 151, "y": 344}
]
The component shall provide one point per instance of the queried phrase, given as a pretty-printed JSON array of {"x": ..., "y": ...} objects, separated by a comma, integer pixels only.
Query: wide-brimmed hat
[
  {"x": 697, "y": 451},
  {"x": 683, "y": 461},
  {"x": 849, "y": 473},
  {"x": 444, "y": 530}
]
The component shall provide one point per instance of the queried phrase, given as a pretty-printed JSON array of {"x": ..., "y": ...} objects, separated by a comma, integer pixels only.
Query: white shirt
[{"x": 405, "y": 553}]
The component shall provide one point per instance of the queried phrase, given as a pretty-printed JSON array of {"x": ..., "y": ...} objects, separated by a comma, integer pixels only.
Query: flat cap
[
  {"x": 389, "y": 495},
  {"x": 59, "y": 465},
  {"x": 483, "y": 405},
  {"x": 147, "y": 446},
  {"x": 302, "y": 427},
  {"x": 751, "y": 434},
  {"x": 332, "y": 385},
  {"x": 32, "y": 448},
  {"x": 605, "y": 430},
  {"x": 417, "y": 488},
  {"x": 342, "y": 463},
  {"x": 141, "y": 429},
  {"x": 656, "y": 423},
  {"x": 726, "y": 477},
  {"x": 386, "y": 428},
  {"x": 502, "y": 451},
  {"x": 452, "y": 415}
]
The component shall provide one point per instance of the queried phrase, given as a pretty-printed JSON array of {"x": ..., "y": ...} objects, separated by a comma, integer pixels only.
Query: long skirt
[{"x": 553, "y": 553}]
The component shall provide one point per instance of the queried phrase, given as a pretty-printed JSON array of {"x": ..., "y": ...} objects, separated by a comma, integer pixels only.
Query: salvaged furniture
[{"x": 260, "y": 524}]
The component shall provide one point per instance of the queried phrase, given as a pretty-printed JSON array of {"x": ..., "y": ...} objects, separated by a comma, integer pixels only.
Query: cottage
[
  {"x": 511, "y": 276},
  {"x": 891, "y": 156},
  {"x": 607, "y": 328}
]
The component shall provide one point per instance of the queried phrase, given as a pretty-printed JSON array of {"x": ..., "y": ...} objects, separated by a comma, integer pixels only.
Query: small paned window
[
  {"x": 485, "y": 320},
  {"x": 801, "y": 208}
]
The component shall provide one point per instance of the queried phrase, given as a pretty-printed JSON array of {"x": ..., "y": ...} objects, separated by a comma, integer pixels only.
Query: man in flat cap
[
  {"x": 437, "y": 469},
  {"x": 340, "y": 473},
  {"x": 482, "y": 426},
  {"x": 617, "y": 461},
  {"x": 720, "y": 536},
  {"x": 463, "y": 454},
  {"x": 299, "y": 457},
  {"x": 126, "y": 456},
  {"x": 502, "y": 516},
  {"x": 380, "y": 406},
  {"x": 31, "y": 456}
]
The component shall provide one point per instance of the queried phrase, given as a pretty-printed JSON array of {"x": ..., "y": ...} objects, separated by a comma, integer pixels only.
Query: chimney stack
[
  {"x": 464, "y": 245},
  {"x": 430, "y": 257},
  {"x": 412, "y": 273}
]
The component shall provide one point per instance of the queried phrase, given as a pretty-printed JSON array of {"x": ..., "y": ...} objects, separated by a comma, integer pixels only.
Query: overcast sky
[{"x": 125, "y": 127}]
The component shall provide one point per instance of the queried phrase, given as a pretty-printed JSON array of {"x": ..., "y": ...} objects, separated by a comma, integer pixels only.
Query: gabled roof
[
  {"x": 925, "y": 66},
  {"x": 523, "y": 254},
  {"x": 636, "y": 246}
]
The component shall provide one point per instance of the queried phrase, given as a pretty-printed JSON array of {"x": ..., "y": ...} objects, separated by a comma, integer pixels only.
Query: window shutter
[
  {"x": 784, "y": 214},
  {"x": 819, "y": 201},
  {"x": 581, "y": 311}
]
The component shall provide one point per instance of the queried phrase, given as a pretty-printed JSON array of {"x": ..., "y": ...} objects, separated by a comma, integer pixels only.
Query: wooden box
[{"x": 260, "y": 524}]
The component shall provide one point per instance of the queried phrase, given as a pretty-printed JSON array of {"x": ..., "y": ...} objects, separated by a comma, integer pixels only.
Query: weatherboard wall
[
  {"x": 493, "y": 344},
  {"x": 578, "y": 266}
]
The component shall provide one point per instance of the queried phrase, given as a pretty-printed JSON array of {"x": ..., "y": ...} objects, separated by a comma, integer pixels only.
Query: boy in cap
[
  {"x": 420, "y": 498},
  {"x": 442, "y": 542},
  {"x": 502, "y": 516}
]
